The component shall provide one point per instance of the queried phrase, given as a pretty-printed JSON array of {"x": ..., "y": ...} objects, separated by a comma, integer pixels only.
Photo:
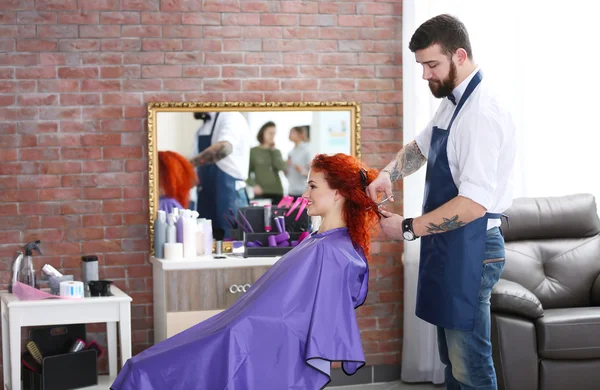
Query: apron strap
[
  {"x": 498, "y": 216},
  {"x": 470, "y": 88}
]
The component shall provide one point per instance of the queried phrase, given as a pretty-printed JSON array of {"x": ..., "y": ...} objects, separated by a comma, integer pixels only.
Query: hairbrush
[{"x": 35, "y": 352}]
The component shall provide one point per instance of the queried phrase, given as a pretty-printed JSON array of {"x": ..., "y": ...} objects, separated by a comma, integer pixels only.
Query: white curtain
[{"x": 541, "y": 57}]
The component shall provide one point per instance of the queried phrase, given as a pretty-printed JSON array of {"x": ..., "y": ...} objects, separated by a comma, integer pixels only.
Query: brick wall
[{"x": 75, "y": 76}]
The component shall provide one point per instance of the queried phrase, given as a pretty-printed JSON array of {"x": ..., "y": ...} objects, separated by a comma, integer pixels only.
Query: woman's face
[
  {"x": 269, "y": 135},
  {"x": 321, "y": 198},
  {"x": 294, "y": 136}
]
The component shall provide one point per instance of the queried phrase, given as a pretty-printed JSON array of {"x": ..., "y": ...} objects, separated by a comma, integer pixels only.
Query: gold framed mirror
[{"x": 285, "y": 129}]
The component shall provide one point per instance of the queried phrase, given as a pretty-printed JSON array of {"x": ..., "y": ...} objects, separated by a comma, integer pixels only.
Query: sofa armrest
[
  {"x": 514, "y": 351},
  {"x": 512, "y": 298},
  {"x": 596, "y": 292}
]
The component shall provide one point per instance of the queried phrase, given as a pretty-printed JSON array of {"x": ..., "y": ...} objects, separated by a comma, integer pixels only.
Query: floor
[{"x": 391, "y": 386}]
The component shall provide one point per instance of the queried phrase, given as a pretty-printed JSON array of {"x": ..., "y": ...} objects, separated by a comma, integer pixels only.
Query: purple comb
[{"x": 245, "y": 225}]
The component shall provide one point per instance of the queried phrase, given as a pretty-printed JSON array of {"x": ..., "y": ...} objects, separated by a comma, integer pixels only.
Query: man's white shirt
[{"x": 481, "y": 147}]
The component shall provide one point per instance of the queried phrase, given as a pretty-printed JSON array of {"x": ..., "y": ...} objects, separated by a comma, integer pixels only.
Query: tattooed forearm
[
  {"x": 212, "y": 154},
  {"x": 446, "y": 226},
  {"x": 407, "y": 161}
]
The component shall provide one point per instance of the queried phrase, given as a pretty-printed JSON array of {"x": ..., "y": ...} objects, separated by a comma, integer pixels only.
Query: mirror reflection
[{"x": 217, "y": 160}]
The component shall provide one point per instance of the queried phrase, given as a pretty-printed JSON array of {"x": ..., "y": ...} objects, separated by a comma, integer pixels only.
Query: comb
[{"x": 35, "y": 352}]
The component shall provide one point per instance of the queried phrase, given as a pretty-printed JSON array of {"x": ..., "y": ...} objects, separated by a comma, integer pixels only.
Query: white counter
[{"x": 200, "y": 262}]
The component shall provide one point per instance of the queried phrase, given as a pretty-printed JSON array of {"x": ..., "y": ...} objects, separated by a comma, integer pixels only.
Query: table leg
[
  {"x": 5, "y": 347},
  {"x": 111, "y": 339},
  {"x": 14, "y": 335},
  {"x": 125, "y": 332}
]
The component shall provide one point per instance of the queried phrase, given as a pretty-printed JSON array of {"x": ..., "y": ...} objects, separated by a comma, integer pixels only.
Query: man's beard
[{"x": 443, "y": 88}]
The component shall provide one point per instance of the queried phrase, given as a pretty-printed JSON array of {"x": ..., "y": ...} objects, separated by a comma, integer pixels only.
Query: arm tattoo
[
  {"x": 446, "y": 226},
  {"x": 407, "y": 161},
  {"x": 213, "y": 154}
]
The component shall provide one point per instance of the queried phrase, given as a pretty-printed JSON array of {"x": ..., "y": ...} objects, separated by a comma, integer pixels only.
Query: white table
[{"x": 17, "y": 314}]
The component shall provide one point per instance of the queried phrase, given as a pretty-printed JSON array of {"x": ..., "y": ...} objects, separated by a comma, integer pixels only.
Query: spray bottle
[{"x": 27, "y": 273}]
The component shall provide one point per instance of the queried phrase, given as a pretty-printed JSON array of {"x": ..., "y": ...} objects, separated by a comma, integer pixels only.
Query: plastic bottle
[
  {"x": 199, "y": 237},
  {"x": 179, "y": 224},
  {"x": 27, "y": 273},
  {"x": 171, "y": 230},
  {"x": 189, "y": 235},
  {"x": 160, "y": 234},
  {"x": 208, "y": 237}
]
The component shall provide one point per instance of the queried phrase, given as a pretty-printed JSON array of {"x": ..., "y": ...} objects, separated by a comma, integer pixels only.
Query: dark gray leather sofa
[{"x": 546, "y": 306}]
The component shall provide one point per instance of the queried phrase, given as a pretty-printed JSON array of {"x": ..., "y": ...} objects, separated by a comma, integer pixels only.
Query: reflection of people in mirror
[
  {"x": 298, "y": 317},
  {"x": 265, "y": 163},
  {"x": 298, "y": 163},
  {"x": 176, "y": 176},
  {"x": 222, "y": 147}
]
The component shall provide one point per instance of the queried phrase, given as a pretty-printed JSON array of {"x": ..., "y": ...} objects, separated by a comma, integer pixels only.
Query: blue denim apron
[
  {"x": 451, "y": 263},
  {"x": 216, "y": 192}
]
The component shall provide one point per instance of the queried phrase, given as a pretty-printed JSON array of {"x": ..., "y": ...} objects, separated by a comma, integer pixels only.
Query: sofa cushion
[
  {"x": 511, "y": 297},
  {"x": 569, "y": 333}
]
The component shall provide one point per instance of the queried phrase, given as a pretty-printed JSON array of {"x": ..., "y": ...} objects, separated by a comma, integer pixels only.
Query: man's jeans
[{"x": 468, "y": 354}]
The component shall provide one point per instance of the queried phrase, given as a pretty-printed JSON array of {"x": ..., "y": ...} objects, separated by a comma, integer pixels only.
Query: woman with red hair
[
  {"x": 176, "y": 177},
  {"x": 285, "y": 331}
]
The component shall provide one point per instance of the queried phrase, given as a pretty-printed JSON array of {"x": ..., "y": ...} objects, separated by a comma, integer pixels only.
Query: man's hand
[
  {"x": 382, "y": 183},
  {"x": 392, "y": 225}
]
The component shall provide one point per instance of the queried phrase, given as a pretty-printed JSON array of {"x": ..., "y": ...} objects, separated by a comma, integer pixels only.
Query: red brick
[
  {"x": 54, "y": 113},
  {"x": 99, "y": 5},
  {"x": 60, "y": 194},
  {"x": 102, "y": 193},
  {"x": 240, "y": 19},
  {"x": 10, "y": 59},
  {"x": 36, "y": 154},
  {"x": 79, "y": 99},
  {"x": 209, "y": 71},
  {"x": 161, "y": 71},
  {"x": 42, "y": 72},
  {"x": 120, "y": 259},
  {"x": 204, "y": 45},
  {"x": 78, "y": 126},
  {"x": 78, "y": 73},
  {"x": 34, "y": 17},
  {"x": 375, "y": 58},
  {"x": 135, "y": 192},
  {"x": 339, "y": 32},
  {"x": 318, "y": 71},
  {"x": 59, "y": 167},
  {"x": 278, "y": 20},
  {"x": 260, "y": 6},
  {"x": 141, "y": 31},
  {"x": 120, "y": 18},
  {"x": 81, "y": 153},
  {"x": 8, "y": 155},
  {"x": 143, "y": 58},
  {"x": 122, "y": 152},
  {"x": 388, "y": 21},
  {"x": 102, "y": 112},
  {"x": 121, "y": 125},
  {"x": 204, "y": 18},
  {"x": 160, "y": 18},
  {"x": 122, "y": 98},
  {"x": 102, "y": 166},
  {"x": 300, "y": 58},
  {"x": 79, "y": 17},
  {"x": 300, "y": 85},
  {"x": 121, "y": 44},
  {"x": 7, "y": 100},
  {"x": 235, "y": 71},
  {"x": 58, "y": 86},
  {"x": 100, "y": 139},
  {"x": 102, "y": 220},
  {"x": 262, "y": 58},
  {"x": 176, "y": 32},
  {"x": 222, "y": 85},
  {"x": 7, "y": 73},
  {"x": 118, "y": 179},
  {"x": 29, "y": 195},
  {"x": 100, "y": 85},
  {"x": 142, "y": 85},
  {"x": 262, "y": 32},
  {"x": 57, "y": 31},
  {"x": 136, "y": 166},
  {"x": 183, "y": 84},
  {"x": 318, "y": 20},
  {"x": 375, "y": 8},
  {"x": 84, "y": 234},
  {"x": 140, "y": 5},
  {"x": 135, "y": 112},
  {"x": 53, "y": 5},
  {"x": 36, "y": 45},
  {"x": 7, "y": 87},
  {"x": 355, "y": 20},
  {"x": 222, "y": 32},
  {"x": 38, "y": 100},
  {"x": 82, "y": 207},
  {"x": 301, "y": 32},
  {"x": 140, "y": 271},
  {"x": 218, "y": 5},
  {"x": 242, "y": 44},
  {"x": 101, "y": 246},
  {"x": 135, "y": 219},
  {"x": 337, "y": 8},
  {"x": 79, "y": 45}
]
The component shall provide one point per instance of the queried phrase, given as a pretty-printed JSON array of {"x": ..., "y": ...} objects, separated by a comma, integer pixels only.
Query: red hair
[
  {"x": 176, "y": 176},
  {"x": 343, "y": 173}
]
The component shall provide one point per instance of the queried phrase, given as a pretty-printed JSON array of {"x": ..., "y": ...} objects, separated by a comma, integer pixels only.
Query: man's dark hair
[
  {"x": 261, "y": 133},
  {"x": 445, "y": 30}
]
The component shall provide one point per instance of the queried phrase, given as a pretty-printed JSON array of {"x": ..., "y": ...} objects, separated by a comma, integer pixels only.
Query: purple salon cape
[{"x": 283, "y": 333}]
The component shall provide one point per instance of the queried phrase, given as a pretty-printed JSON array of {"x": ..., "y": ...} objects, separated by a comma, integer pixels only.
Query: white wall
[{"x": 176, "y": 131}]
